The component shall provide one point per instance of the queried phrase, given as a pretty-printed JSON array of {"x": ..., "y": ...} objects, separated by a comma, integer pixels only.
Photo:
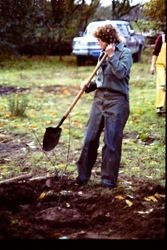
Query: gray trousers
[{"x": 109, "y": 113}]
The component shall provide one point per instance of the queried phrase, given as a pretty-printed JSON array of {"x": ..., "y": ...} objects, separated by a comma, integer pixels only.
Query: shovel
[{"x": 52, "y": 135}]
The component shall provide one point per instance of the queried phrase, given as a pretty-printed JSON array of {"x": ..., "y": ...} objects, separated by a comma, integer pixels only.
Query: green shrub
[{"x": 18, "y": 104}]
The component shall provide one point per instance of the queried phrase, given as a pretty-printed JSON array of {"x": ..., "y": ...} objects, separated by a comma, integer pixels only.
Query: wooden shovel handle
[{"x": 82, "y": 90}]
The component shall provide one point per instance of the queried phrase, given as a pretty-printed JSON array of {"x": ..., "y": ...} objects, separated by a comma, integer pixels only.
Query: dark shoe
[
  {"x": 106, "y": 183},
  {"x": 81, "y": 182},
  {"x": 160, "y": 111}
]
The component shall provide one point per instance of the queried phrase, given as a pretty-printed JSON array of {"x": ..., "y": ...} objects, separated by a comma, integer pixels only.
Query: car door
[{"x": 129, "y": 36}]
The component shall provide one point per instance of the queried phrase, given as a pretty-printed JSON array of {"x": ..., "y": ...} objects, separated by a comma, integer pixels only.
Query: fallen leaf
[
  {"x": 158, "y": 196},
  {"x": 129, "y": 203},
  {"x": 145, "y": 212},
  {"x": 107, "y": 214},
  {"x": 42, "y": 195},
  {"x": 150, "y": 198},
  {"x": 68, "y": 204},
  {"x": 119, "y": 197}
]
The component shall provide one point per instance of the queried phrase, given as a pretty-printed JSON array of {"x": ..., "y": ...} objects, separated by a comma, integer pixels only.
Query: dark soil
[{"x": 56, "y": 208}]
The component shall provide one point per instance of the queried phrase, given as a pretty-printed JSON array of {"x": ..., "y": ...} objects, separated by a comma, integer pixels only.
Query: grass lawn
[{"x": 45, "y": 88}]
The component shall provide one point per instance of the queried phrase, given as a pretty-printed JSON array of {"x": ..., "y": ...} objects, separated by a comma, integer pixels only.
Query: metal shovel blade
[{"x": 51, "y": 138}]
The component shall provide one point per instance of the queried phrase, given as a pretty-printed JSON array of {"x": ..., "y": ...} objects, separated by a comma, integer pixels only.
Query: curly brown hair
[{"x": 107, "y": 33}]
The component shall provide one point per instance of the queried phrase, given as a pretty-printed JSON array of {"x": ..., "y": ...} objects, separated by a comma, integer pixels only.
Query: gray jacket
[{"x": 114, "y": 73}]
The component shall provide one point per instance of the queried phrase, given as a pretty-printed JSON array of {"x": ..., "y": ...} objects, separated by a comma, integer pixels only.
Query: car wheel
[
  {"x": 80, "y": 60},
  {"x": 137, "y": 55}
]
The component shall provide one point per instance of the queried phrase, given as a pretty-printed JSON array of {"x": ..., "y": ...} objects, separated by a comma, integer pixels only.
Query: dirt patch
[
  {"x": 4, "y": 90},
  {"x": 61, "y": 89},
  {"x": 56, "y": 208}
]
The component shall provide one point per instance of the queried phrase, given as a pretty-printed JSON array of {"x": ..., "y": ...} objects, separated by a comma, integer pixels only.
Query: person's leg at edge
[
  {"x": 88, "y": 154},
  {"x": 160, "y": 89},
  {"x": 114, "y": 124}
]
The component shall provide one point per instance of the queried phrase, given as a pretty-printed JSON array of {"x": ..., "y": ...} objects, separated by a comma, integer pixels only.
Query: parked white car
[{"x": 86, "y": 46}]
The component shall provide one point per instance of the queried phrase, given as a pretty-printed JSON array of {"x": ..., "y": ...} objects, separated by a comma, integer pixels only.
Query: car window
[
  {"x": 92, "y": 27},
  {"x": 130, "y": 28},
  {"x": 123, "y": 29}
]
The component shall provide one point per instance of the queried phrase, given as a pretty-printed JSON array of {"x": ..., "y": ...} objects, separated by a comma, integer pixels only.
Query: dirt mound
[{"x": 56, "y": 208}]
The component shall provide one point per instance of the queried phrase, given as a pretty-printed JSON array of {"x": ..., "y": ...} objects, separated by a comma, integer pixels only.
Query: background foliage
[{"x": 48, "y": 26}]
